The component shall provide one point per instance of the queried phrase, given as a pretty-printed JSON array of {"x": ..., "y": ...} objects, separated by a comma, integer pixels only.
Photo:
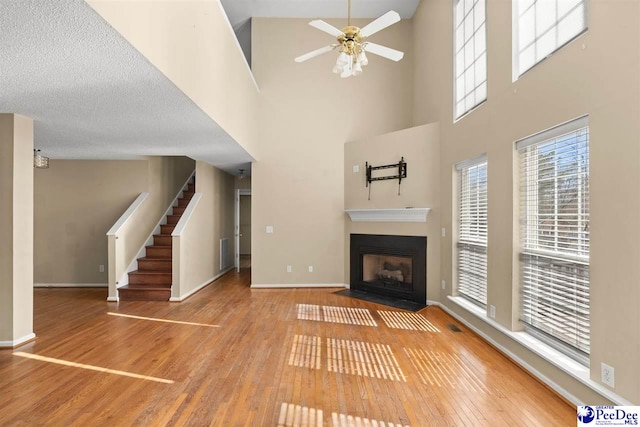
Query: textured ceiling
[{"x": 92, "y": 95}]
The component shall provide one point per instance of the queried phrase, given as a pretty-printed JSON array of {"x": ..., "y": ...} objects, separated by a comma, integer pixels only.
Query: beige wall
[
  {"x": 193, "y": 44},
  {"x": 307, "y": 113},
  {"x": 199, "y": 242},
  {"x": 76, "y": 202},
  {"x": 6, "y": 226},
  {"x": 16, "y": 229},
  {"x": 597, "y": 74},
  {"x": 420, "y": 147}
]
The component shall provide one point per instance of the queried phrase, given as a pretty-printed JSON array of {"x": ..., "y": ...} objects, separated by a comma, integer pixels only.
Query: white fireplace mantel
[{"x": 389, "y": 215}]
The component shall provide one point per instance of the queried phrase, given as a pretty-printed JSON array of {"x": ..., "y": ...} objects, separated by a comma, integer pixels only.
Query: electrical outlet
[
  {"x": 288, "y": 269},
  {"x": 356, "y": 168},
  {"x": 444, "y": 232},
  {"x": 607, "y": 374},
  {"x": 269, "y": 229},
  {"x": 311, "y": 269},
  {"x": 101, "y": 268},
  {"x": 443, "y": 284},
  {"x": 492, "y": 311}
]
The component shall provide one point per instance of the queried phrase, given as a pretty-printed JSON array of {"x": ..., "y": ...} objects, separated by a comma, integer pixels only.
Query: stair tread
[
  {"x": 147, "y": 293},
  {"x": 149, "y": 272},
  {"x": 146, "y": 288},
  {"x": 162, "y": 235},
  {"x": 151, "y": 258}
]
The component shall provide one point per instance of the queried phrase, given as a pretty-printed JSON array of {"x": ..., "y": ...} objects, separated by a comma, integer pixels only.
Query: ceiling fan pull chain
[{"x": 349, "y": 14}]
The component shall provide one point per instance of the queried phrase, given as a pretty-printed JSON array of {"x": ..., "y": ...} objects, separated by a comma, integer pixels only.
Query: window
[
  {"x": 472, "y": 230},
  {"x": 542, "y": 27},
  {"x": 554, "y": 237},
  {"x": 470, "y": 55}
]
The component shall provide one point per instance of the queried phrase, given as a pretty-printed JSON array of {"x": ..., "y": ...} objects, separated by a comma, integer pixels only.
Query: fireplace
[{"x": 394, "y": 266}]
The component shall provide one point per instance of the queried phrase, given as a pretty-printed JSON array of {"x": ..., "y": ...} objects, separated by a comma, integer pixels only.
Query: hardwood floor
[{"x": 242, "y": 357}]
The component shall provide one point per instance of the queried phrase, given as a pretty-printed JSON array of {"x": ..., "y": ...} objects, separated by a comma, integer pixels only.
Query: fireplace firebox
[{"x": 394, "y": 266}]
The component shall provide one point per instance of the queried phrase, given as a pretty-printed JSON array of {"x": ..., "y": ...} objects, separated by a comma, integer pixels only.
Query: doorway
[{"x": 243, "y": 229}]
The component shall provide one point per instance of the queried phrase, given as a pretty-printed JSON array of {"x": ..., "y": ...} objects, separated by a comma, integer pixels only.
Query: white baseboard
[
  {"x": 112, "y": 299},
  {"x": 546, "y": 380},
  {"x": 70, "y": 285},
  {"x": 299, "y": 285},
  {"x": 202, "y": 285},
  {"x": 19, "y": 341},
  {"x": 608, "y": 394}
]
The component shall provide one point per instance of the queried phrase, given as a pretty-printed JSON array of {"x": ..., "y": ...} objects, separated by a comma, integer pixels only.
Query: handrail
[
  {"x": 186, "y": 215},
  {"x": 113, "y": 231}
]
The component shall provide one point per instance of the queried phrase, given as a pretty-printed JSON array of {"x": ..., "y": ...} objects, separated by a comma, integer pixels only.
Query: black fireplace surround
[{"x": 394, "y": 266}]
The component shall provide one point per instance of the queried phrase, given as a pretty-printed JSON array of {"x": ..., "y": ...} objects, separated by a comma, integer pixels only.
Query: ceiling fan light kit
[
  {"x": 40, "y": 161},
  {"x": 352, "y": 45}
]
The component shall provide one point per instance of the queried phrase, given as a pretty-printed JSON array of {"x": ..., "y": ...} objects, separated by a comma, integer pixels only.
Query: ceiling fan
[{"x": 352, "y": 44}]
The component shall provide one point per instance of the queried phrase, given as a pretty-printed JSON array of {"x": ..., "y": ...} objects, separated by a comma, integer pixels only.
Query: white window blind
[
  {"x": 543, "y": 26},
  {"x": 554, "y": 210},
  {"x": 470, "y": 55},
  {"x": 472, "y": 230}
]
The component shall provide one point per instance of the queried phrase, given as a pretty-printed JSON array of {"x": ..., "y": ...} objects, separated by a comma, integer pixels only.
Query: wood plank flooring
[{"x": 232, "y": 356}]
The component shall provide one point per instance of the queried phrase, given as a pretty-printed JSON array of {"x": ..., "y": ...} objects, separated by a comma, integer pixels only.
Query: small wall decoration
[{"x": 401, "y": 168}]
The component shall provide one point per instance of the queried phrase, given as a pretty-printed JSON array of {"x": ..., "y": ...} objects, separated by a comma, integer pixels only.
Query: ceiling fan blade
[
  {"x": 315, "y": 53},
  {"x": 327, "y": 28},
  {"x": 381, "y": 23},
  {"x": 385, "y": 52}
]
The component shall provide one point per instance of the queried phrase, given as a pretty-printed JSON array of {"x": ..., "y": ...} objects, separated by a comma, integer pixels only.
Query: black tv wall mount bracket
[{"x": 401, "y": 168}]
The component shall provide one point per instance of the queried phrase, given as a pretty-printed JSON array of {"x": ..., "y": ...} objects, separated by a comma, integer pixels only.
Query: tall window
[
  {"x": 543, "y": 26},
  {"x": 472, "y": 230},
  {"x": 470, "y": 55},
  {"x": 554, "y": 210}
]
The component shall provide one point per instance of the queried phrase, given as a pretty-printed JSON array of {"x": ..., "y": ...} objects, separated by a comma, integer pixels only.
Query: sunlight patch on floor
[
  {"x": 296, "y": 415},
  {"x": 362, "y": 358},
  {"x": 342, "y": 420},
  {"x": 301, "y": 416},
  {"x": 348, "y": 315},
  {"x": 90, "y": 367},
  {"x": 155, "y": 319},
  {"x": 309, "y": 312},
  {"x": 332, "y": 314},
  {"x": 441, "y": 369},
  {"x": 407, "y": 321},
  {"x": 305, "y": 352}
]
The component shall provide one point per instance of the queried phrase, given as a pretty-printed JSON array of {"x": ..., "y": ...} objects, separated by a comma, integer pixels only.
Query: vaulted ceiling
[{"x": 93, "y": 96}]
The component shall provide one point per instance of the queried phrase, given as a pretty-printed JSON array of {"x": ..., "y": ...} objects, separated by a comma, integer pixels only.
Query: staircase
[{"x": 152, "y": 280}]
